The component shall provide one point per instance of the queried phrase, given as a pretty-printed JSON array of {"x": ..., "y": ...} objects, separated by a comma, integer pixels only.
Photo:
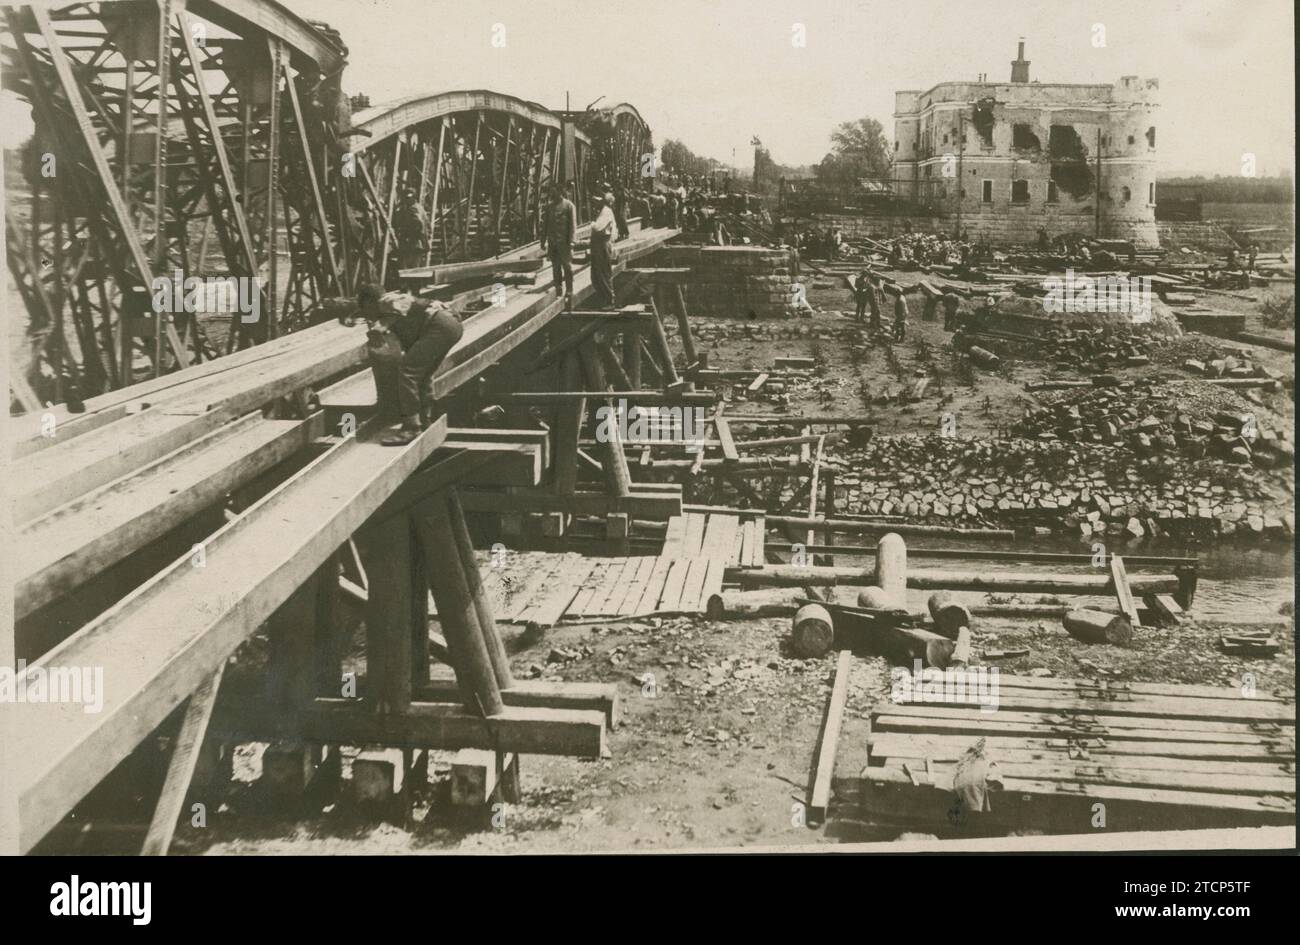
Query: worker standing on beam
[
  {"x": 601, "y": 241},
  {"x": 558, "y": 235},
  {"x": 410, "y": 228},
  {"x": 408, "y": 340}
]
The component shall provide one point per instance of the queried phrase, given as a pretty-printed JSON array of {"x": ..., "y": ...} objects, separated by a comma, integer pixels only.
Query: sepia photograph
[{"x": 706, "y": 426}]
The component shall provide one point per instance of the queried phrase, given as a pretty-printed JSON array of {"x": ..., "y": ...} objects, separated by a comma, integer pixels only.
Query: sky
[{"x": 714, "y": 73}]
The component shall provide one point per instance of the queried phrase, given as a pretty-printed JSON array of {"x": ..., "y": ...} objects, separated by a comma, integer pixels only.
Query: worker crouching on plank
[{"x": 408, "y": 340}]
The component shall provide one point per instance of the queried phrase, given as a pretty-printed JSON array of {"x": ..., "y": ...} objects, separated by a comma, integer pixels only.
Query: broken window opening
[
  {"x": 1020, "y": 191},
  {"x": 982, "y": 119},
  {"x": 1125, "y": 194},
  {"x": 988, "y": 191},
  {"x": 1069, "y": 157},
  {"x": 1151, "y": 137},
  {"x": 1053, "y": 193},
  {"x": 1024, "y": 139}
]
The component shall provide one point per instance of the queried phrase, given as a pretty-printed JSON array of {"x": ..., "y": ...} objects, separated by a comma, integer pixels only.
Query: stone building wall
[{"x": 739, "y": 281}]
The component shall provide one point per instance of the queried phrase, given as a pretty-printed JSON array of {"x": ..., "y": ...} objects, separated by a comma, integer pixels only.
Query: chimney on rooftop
[{"x": 1020, "y": 65}]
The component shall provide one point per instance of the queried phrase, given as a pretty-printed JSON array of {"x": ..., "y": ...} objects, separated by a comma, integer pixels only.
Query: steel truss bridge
[{"x": 213, "y": 138}]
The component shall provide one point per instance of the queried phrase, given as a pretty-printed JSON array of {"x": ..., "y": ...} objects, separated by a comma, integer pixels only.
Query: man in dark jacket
[
  {"x": 425, "y": 332},
  {"x": 558, "y": 234}
]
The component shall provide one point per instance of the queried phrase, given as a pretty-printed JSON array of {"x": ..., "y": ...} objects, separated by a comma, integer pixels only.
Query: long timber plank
[
  {"x": 905, "y": 745},
  {"x": 1122, "y": 703},
  {"x": 1095, "y": 772},
  {"x": 1056, "y": 807},
  {"x": 159, "y": 644},
  {"x": 654, "y": 587},
  {"x": 1137, "y": 688},
  {"x": 954, "y": 720},
  {"x": 671, "y": 600},
  {"x": 52, "y": 477},
  {"x": 79, "y": 540}
]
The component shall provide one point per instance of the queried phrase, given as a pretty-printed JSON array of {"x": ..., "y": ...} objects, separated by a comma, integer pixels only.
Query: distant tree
[
  {"x": 678, "y": 159},
  {"x": 858, "y": 149}
]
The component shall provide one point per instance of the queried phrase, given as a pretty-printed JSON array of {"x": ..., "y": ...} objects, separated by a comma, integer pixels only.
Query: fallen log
[
  {"x": 766, "y": 603},
  {"x": 787, "y": 575},
  {"x": 866, "y": 527},
  {"x": 1094, "y": 626},
  {"x": 948, "y": 615},
  {"x": 812, "y": 631}
]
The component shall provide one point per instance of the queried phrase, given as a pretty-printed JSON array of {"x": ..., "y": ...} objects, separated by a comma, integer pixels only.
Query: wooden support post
[
  {"x": 828, "y": 511},
  {"x": 661, "y": 344},
  {"x": 568, "y": 428},
  {"x": 632, "y": 355},
  {"x": 891, "y": 568},
  {"x": 389, "y": 608},
  {"x": 482, "y": 606},
  {"x": 684, "y": 324},
  {"x": 617, "y": 477},
  {"x": 180, "y": 770},
  {"x": 466, "y": 644},
  {"x": 614, "y": 369}
]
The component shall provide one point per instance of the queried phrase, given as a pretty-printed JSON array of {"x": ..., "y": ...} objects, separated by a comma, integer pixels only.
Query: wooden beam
[
  {"x": 444, "y": 726},
  {"x": 819, "y": 794},
  {"x": 68, "y": 546},
  {"x": 159, "y": 643},
  {"x": 180, "y": 770}
]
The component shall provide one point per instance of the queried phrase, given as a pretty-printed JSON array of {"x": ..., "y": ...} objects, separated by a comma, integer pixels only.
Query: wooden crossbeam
[{"x": 161, "y": 642}]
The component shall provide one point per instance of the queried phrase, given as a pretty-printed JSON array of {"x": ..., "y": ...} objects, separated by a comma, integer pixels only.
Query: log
[
  {"x": 891, "y": 569},
  {"x": 874, "y": 598},
  {"x": 482, "y": 606},
  {"x": 767, "y": 603},
  {"x": 868, "y": 527},
  {"x": 1094, "y": 626},
  {"x": 812, "y": 631},
  {"x": 961, "y": 652},
  {"x": 948, "y": 615},
  {"x": 788, "y": 575},
  {"x": 984, "y": 357},
  {"x": 468, "y": 646}
]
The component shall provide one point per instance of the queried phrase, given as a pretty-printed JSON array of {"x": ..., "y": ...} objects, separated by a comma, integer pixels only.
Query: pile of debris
[
  {"x": 1153, "y": 421},
  {"x": 1097, "y": 348},
  {"x": 1064, "y": 487}
]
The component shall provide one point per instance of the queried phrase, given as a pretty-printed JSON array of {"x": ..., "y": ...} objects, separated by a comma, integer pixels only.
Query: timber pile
[{"x": 1156, "y": 755}]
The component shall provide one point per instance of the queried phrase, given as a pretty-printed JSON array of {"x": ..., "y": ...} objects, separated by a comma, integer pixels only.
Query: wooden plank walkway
[
  {"x": 543, "y": 589},
  {"x": 1156, "y": 754}
]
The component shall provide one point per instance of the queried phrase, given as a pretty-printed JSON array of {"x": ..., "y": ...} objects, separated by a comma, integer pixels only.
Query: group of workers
[{"x": 870, "y": 292}]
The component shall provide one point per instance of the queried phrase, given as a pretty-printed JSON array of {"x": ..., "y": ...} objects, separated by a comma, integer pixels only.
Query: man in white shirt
[{"x": 602, "y": 236}]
